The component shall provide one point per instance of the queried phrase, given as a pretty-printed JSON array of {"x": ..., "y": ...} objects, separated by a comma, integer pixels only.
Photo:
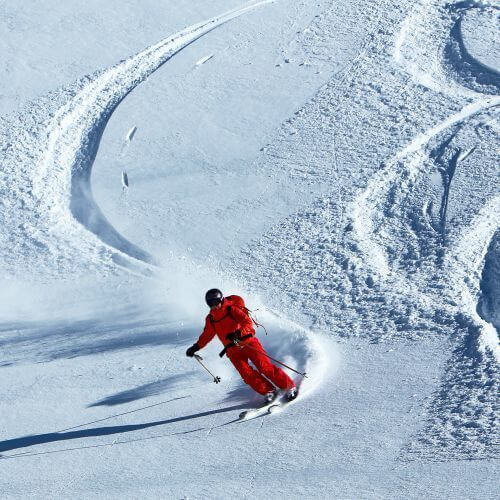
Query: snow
[{"x": 335, "y": 163}]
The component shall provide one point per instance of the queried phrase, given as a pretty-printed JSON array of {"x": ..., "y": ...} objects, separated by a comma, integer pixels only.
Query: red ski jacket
[{"x": 223, "y": 321}]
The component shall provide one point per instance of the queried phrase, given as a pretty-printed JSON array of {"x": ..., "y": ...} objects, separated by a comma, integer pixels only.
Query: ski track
[
  {"x": 77, "y": 128},
  {"x": 50, "y": 153},
  {"x": 472, "y": 372},
  {"x": 401, "y": 166},
  {"x": 67, "y": 217},
  {"x": 456, "y": 72},
  {"x": 470, "y": 72},
  {"x": 390, "y": 264},
  {"x": 401, "y": 172}
]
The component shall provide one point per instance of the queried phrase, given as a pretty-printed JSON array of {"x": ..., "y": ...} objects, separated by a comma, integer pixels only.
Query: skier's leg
[
  {"x": 275, "y": 374},
  {"x": 250, "y": 376}
]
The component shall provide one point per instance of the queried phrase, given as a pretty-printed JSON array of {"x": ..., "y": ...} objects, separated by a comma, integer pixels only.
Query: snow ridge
[{"x": 489, "y": 303}]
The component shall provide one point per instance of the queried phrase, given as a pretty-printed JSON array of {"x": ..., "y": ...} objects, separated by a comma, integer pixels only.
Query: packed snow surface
[{"x": 334, "y": 162}]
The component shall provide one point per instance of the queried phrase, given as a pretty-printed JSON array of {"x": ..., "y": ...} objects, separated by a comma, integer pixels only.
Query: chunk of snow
[
  {"x": 203, "y": 60},
  {"x": 131, "y": 133}
]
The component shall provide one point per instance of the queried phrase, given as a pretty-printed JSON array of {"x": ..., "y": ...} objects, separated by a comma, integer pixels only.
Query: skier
[{"x": 231, "y": 323}]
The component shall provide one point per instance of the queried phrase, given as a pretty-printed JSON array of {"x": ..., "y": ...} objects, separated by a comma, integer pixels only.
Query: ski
[
  {"x": 275, "y": 406},
  {"x": 261, "y": 410}
]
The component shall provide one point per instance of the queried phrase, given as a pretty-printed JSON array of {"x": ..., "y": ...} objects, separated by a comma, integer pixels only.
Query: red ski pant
[{"x": 252, "y": 350}]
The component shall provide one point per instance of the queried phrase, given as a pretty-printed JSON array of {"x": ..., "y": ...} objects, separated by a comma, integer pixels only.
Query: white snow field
[{"x": 333, "y": 162}]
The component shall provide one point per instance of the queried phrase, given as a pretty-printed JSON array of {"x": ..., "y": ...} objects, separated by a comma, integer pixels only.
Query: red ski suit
[{"x": 229, "y": 318}]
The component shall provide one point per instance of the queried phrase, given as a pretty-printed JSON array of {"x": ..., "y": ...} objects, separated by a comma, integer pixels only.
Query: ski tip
[{"x": 274, "y": 409}]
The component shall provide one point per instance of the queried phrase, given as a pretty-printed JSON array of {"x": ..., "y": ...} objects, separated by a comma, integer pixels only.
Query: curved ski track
[
  {"x": 400, "y": 265},
  {"x": 76, "y": 130},
  {"x": 400, "y": 173},
  {"x": 456, "y": 72},
  {"x": 63, "y": 213},
  {"x": 472, "y": 373}
]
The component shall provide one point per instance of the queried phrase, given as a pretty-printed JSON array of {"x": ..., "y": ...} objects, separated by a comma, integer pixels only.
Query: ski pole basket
[{"x": 199, "y": 359}]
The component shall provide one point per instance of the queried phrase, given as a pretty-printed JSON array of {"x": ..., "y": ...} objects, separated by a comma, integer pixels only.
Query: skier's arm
[
  {"x": 207, "y": 335},
  {"x": 244, "y": 321}
]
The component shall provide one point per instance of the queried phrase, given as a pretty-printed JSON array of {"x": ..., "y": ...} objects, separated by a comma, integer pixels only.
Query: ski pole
[
  {"x": 199, "y": 359},
  {"x": 275, "y": 360}
]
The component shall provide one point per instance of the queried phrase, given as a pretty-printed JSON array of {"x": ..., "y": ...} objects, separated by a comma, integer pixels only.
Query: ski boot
[
  {"x": 270, "y": 396},
  {"x": 291, "y": 394}
]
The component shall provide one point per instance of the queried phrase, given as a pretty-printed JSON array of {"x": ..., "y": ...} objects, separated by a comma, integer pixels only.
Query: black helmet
[{"x": 213, "y": 297}]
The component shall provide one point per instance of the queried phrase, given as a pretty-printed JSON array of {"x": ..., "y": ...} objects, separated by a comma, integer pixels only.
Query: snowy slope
[{"x": 334, "y": 162}]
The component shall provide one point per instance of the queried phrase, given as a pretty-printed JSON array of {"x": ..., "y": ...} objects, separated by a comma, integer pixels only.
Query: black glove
[
  {"x": 191, "y": 350},
  {"x": 236, "y": 335}
]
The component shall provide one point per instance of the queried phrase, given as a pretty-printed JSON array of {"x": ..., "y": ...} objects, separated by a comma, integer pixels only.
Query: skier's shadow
[
  {"x": 147, "y": 390},
  {"x": 23, "y": 442}
]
